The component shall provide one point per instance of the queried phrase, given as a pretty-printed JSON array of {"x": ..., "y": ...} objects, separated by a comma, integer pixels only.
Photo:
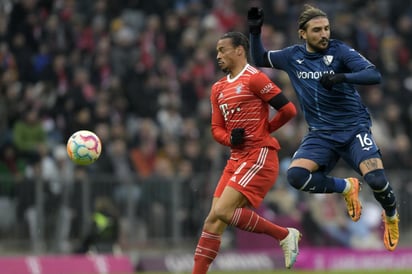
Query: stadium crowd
[{"x": 138, "y": 73}]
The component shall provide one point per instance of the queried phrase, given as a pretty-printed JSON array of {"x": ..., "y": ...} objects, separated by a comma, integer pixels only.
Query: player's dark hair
[
  {"x": 308, "y": 13},
  {"x": 238, "y": 39}
]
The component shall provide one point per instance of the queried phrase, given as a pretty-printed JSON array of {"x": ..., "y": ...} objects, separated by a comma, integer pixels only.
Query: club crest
[
  {"x": 327, "y": 59},
  {"x": 239, "y": 88}
]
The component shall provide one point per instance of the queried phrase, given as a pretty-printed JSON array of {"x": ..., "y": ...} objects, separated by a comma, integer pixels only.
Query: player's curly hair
[{"x": 308, "y": 13}]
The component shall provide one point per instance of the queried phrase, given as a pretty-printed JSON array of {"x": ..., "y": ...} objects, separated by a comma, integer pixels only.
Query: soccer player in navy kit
[{"x": 323, "y": 72}]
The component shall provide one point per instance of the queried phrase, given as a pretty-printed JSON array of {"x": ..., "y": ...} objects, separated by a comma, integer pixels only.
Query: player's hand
[
  {"x": 237, "y": 136},
  {"x": 328, "y": 80},
  {"x": 255, "y": 19}
]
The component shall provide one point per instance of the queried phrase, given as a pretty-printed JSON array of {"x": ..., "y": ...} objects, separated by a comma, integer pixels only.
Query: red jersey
[{"x": 242, "y": 102}]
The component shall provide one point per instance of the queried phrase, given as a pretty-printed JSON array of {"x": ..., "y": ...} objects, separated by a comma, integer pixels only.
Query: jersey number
[{"x": 365, "y": 140}]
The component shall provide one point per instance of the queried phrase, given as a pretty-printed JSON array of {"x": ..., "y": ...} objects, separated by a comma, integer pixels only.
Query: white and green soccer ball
[{"x": 84, "y": 147}]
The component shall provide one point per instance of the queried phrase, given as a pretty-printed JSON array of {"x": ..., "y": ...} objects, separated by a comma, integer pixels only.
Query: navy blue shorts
[{"x": 327, "y": 147}]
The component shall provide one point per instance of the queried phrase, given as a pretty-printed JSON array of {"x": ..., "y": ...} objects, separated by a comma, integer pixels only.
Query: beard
[
  {"x": 225, "y": 70},
  {"x": 320, "y": 46}
]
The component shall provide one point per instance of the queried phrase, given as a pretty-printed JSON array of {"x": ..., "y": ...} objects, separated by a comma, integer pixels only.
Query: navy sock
[
  {"x": 340, "y": 184},
  {"x": 382, "y": 190},
  {"x": 327, "y": 183},
  {"x": 316, "y": 182}
]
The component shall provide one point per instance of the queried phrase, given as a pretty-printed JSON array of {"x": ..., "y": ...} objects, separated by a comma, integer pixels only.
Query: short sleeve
[{"x": 263, "y": 87}]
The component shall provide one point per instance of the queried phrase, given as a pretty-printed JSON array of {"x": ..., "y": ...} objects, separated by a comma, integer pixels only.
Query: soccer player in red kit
[{"x": 240, "y": 119}]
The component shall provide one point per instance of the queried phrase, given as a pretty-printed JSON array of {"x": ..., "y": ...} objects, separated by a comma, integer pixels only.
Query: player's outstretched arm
[{"x": 255, "y": 21}]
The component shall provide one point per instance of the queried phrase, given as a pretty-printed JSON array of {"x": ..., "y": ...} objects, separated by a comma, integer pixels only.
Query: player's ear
[{"x": 302, "y": 34}]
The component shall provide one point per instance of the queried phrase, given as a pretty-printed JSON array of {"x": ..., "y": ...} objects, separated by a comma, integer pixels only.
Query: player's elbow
[
  {"x": 376, "y": 76},
  {"x": 220, "y": 135},
  {"x": 292, "y": 110},
  {"x": 215, "y": 132},
  {"x": 289, "y": 111}
]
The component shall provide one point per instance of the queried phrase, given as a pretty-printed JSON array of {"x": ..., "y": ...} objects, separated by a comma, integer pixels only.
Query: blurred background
[{"x": 138, "y": 73}]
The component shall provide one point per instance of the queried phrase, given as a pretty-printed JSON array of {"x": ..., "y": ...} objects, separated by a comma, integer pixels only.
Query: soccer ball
[{"x": 84, "y": 147}]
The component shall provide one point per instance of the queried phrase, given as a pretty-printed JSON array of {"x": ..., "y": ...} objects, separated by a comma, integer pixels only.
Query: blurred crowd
[{"x": 138, "y": 73}]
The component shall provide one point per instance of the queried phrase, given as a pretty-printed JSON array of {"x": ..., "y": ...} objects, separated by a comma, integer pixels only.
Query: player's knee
[
  {"x": 297, "y": 176},
  {"x": 223, "y": 213},
  {"x": 376, "y": 179}
]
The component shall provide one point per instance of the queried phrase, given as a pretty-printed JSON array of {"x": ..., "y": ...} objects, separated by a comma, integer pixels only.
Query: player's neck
[
  {"x": 309, "y": 48},
  {"x": 237, "y": 69}
]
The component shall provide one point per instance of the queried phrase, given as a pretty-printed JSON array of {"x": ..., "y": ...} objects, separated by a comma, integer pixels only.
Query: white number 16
[{"x": 365, "y": 140}]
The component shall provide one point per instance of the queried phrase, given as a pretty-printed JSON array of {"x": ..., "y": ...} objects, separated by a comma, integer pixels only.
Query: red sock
[
  {"x": 206, "y": 251},
  {"x": 248, "y": 220}
]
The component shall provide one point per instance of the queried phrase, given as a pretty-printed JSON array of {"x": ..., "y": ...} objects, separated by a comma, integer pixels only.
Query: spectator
[
  {"x": 29, "y": 135},
  {"x": 155, "y": 76},
  {"x": 104, "y": 233}
]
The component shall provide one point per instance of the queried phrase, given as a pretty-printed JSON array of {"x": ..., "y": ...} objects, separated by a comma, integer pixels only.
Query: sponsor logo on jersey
[
  {"x": 266, "y": 88},
  {"x": 312, "y": 74}
]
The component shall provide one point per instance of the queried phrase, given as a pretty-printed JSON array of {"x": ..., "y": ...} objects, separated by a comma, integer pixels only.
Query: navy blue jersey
[{"x": 336, "y": 109}]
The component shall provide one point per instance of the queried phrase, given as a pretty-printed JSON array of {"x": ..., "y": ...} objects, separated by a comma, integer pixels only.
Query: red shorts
[{"x": 252, "y": 173}]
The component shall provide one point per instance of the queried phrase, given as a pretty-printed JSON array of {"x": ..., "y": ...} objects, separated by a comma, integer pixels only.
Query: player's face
[
  {"x": 317, "y": 34},
  {"x": 226, "y": 55}
]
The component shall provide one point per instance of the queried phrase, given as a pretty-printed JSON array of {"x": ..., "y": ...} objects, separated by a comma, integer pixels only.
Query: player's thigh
[
  {"x": 304, "y": 163},
  {"x": 229, "y": 199},
  {"x": 362, "y": 153},
  {"x": 228, "y": 202},
  {"x": 315, "y": 152},
  {"x": 255, "y": 175},
  {"x": 227, "y": 173}
]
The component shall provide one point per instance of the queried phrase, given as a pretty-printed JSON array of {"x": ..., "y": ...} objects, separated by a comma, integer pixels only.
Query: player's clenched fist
[
  {"x": 237, "y": 136},
  {"x": 255, "y": 19},
  {"x": 329, "y": 80}
]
